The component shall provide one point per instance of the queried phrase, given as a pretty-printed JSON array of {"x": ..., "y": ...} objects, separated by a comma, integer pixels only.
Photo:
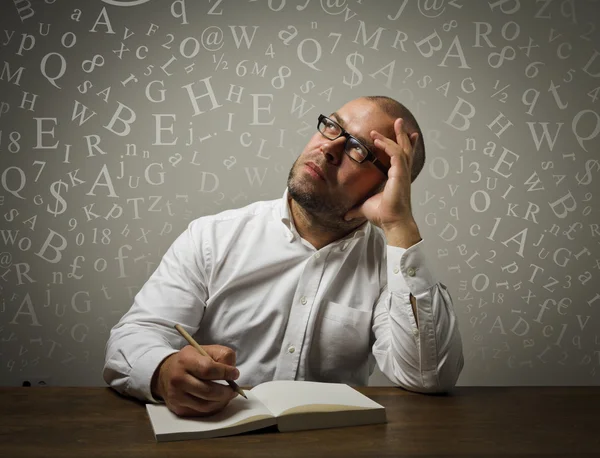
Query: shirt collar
[
  {"x": 284, "y": 210},
  {"x": 285, "y": 215}
]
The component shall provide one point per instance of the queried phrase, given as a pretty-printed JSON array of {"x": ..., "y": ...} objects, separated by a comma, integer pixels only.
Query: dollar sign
[
  {"x": 351, "y": 63},
  {"x": 55, "y": 191},
  {"x": 588, "y": 172}
]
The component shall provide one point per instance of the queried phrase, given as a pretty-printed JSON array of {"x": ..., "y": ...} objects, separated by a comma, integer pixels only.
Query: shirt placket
[{"x": 295, "y": 338}]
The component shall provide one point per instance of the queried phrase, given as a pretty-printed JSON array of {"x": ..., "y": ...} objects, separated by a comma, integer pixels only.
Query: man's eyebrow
[{"x": 363, "y": 140}]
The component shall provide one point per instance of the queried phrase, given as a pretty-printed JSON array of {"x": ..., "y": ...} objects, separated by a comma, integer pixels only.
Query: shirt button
[
  {"x": 415, "y": 331},
  {"x": 292, "y": 349},
  {"x": 396, "y": 270},
  {"x": 411, "y": 271},
  {"x": 317, "y": 255},
  {"x": 303, "y": 300}
]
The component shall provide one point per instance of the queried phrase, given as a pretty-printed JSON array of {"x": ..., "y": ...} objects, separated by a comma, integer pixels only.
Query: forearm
[
  {"x": 405, "y": 237},
  {"x": 133, "y": 352},
  {"x": 427, "y": 357},
  {"x": 145, "y": 335}
]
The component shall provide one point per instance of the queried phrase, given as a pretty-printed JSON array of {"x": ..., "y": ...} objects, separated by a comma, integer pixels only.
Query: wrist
[
  {"x": 155, "y": 385},
  {"x": 403, "y": 236},
  {"x": 156, "y": 382}
]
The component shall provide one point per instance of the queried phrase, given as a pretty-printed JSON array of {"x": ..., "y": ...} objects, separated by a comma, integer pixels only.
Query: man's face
[{"x": 344, "y": 182}]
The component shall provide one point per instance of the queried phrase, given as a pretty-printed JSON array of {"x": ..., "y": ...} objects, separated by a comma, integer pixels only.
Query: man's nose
[{"x": 334, "y": 150}]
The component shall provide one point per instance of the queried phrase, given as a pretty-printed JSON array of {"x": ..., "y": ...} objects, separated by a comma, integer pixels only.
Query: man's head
[{"x": 346, "y": 183}]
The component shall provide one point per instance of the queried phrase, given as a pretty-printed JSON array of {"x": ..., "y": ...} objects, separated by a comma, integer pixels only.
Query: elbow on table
[
  {"x": 435, "y": 388},
  {"x": 440, "y": 381}
]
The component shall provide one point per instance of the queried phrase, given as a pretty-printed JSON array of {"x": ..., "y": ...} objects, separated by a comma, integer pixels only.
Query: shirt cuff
[
  {"x": 143, "y": 370},
  {"x": 407, "y": 271}
]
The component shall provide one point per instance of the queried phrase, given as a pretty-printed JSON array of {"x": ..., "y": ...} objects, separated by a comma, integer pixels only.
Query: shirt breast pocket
[{"x": 341, "y": 346}]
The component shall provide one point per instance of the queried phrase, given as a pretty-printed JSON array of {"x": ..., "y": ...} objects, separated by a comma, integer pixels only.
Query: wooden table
[{"x": 472, "y": 421}]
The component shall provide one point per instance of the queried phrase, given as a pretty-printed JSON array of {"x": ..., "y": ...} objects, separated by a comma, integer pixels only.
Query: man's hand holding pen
[{"x": 184, "y": 380}]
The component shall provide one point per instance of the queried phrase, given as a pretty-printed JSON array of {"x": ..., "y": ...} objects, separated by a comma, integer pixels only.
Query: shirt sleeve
[
  {"x": 175, "y": 293},
  {"x": 423, "y": 358}
]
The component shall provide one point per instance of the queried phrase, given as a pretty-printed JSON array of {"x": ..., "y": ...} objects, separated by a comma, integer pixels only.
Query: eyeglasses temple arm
[{"x": 380, "y": 166}]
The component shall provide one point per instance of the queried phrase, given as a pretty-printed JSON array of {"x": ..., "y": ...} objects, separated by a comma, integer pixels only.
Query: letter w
[
  {"x": 10, "y": 237},
  {"x": 238, "y": 40},
  {"x": 81, "y": 113}
]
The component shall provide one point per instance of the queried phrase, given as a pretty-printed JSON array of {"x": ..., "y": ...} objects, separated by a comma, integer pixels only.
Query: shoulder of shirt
[{"x": 255, "y": 209}]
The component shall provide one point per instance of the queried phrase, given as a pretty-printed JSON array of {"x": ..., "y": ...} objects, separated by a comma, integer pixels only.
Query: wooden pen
[{"x": 201, "y": 350}]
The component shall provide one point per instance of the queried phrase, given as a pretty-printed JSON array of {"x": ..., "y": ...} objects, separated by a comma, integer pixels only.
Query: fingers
[
  {"x": 204, "y": 389},
  {"x": 413, "y": 139},
  {"x": 221, "y": 354},
  {"x": 188, "y": 389},
  {"x": 404, "y": 143},
  {"x": 205, "y": 368},
  {"x": 392, "y": 149},
  {"x": 384, "y": 143},
  {"x": 402, "y": 136}
]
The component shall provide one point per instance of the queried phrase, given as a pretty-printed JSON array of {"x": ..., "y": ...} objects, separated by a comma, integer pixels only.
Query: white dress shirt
[{"x": 245, "y": 279}]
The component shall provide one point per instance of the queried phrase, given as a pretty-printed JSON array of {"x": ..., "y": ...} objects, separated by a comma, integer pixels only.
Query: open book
[{"x": 291, "y": 405}]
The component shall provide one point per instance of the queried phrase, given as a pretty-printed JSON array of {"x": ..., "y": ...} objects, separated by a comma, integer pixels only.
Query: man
[{"x": 312, "y": 286}]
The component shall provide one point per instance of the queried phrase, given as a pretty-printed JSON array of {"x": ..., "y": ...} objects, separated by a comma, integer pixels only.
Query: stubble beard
[{"x": 322, "y": 208}]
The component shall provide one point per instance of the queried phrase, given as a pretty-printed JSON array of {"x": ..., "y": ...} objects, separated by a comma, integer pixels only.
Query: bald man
[{"x": 321, "y": 284}]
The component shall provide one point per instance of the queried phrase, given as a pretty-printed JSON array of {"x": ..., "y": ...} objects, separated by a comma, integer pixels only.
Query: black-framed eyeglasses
[{"x": 353, "y": 147}]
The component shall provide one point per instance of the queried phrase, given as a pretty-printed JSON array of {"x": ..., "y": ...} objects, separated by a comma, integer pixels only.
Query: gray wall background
[{"x": 120, "y": 122}]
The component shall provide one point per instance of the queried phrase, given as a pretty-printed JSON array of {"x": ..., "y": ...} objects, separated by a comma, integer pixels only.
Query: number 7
[{"x": 42, "y": 168}]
